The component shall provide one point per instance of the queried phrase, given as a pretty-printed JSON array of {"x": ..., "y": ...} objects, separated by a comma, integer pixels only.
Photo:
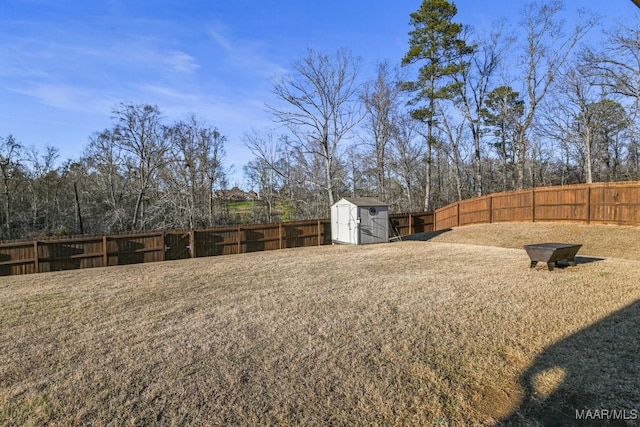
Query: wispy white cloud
[
  {"x": 67, "y": 97},
  {"x": 26, "y": 71},
  {"x": 169, "y": 92},
  {"x": 147, "y": 55},
  {"x": 142, "y": 53},
  {"x": 72, "y": 53},
  {"x": 180, "y": 61},
  {"x": 217, "y": 33},
  {"x": 247, "y": 55}
]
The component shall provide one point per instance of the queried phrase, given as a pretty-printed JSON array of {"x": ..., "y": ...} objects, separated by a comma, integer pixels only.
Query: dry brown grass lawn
[
  {"x": 601, "y": 240},
  {"x": 410, "y": 333}
]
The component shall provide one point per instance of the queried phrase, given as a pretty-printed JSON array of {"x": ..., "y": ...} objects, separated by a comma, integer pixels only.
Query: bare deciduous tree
[
  {"x": 501, "y": 115},
  {"x": 141, "y": 136},
  {"x": 380, "y": 99},
  {"x": 10, "y": 155},
  {"x": 452, "y": 132},
  {"x": 474, "y": 86},
  {"x": 193, "y": 169},
  {"x": 408, "y": 158},
  {"x": 41, "y": 186},
  {"x": 615, "y": 66},
  {"x": 105, "y": 165},
  {"x": 318, "y": 104},
  {"x": 269, "y": 170},
  {"x": 546, "y": 50}
]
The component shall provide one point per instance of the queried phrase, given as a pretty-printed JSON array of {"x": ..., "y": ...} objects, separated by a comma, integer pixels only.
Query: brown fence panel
[
  {"x": 411, "y": 223},
  {"x": 447, "y": 217},
  {"x": 301, "y": 233},
  {"x": 135, "y": 248},
  {"x": 475, "y": 211},
  {"x": 18, "y": 258},
  {"x": 264, "y": 237},
  {"x": 70, "y": 254},
  {"x": 561, "y": 204},
  {"x": 401, "y": 224},
  {"x": 512, "y": 207},
  {"x": 422, "y": 222},
  {"x": 615, "y": 204},
  {"x": 306, "y": 233},
  {"x": 326, "y": 231},
  {"x": 216, "y": 241}
]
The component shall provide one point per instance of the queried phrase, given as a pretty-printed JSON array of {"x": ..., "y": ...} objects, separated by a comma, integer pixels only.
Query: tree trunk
[
  {"x": 7, "y": 204},
  {"x": 7, "y": 217},
  {"x": 458, "y": 172},
  {"x": 477, "y": 160},
  {"x": 380, "y": 174},
  {"x": 329, "y": 181},
  {"x": 211, "y": 203},
  {"x": 78, "y": 212},
  {"x": 427, "y": 186},
  {"x": 503, "y": 158},
  {"x": 136, "y": 210},
  {"x": 588, "y": 155},
  {"x": 522, "y": 149}
]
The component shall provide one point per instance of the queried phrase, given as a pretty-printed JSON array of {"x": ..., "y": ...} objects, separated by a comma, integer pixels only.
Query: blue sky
[{"x": 64, "y": 65}]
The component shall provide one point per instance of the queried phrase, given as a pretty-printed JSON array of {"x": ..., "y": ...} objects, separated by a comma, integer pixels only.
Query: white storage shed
[{"x": 359, "y": 221}]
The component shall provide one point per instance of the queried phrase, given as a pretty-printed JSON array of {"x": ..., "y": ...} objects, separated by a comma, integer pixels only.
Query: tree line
[
  {"x": 463, "y": 113},
  {"x": 139, "y": 174}
]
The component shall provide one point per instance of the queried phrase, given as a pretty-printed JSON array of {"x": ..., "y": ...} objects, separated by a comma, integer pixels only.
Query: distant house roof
[{"x": 365, "y": 201}]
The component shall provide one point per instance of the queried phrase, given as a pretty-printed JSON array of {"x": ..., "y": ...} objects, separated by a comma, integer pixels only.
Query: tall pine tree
[{"x": 436, "y": 45}]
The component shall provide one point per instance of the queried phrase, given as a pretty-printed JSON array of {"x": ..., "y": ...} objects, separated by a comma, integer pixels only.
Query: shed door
[
  {"x": 344, "y": 224},
  {"x": 373, "y": 225}
]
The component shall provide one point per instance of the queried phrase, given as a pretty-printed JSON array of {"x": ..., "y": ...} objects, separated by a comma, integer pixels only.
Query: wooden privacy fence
[
  {"x": 601, "y": 203},
  {"x": 40, "y": 256}
]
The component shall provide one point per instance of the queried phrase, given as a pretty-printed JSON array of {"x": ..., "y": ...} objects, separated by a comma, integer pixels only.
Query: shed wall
[{"x": 374, "y": 225}]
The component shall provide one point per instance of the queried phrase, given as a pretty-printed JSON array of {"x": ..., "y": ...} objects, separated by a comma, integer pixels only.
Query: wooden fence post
[
  {"x": 533, "y": 205},
  {"x": 458, "y": 214},
  {"x": 36, "y": 261},
  {"x": 490, "y": 209},
  {"x": 164, "y": 246},
  {"x": 280, "y": 235},
  {"x": 239, "y": 241},
  {"x": 192, "y": 243},
  {"x": 410, "y": 228},
  {"x": 319, "y": 234},
  {"x": 105, "y": 254},
  {"x": 588, "y": 204}
]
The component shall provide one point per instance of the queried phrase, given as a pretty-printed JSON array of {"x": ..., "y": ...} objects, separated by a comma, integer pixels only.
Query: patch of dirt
[{"x": 494, "y": 403}]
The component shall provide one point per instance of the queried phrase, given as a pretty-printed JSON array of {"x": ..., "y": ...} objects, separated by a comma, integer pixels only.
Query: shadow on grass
[
  {"x": 423, "y": 237},
  {"x": 579, "y": 260},
  {"x": 587, "y": 259},
  {"x": 589, "y": 378}
]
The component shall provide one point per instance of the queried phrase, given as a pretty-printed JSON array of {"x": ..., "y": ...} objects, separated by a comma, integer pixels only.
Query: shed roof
[{"x": 364, "y": 201}]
